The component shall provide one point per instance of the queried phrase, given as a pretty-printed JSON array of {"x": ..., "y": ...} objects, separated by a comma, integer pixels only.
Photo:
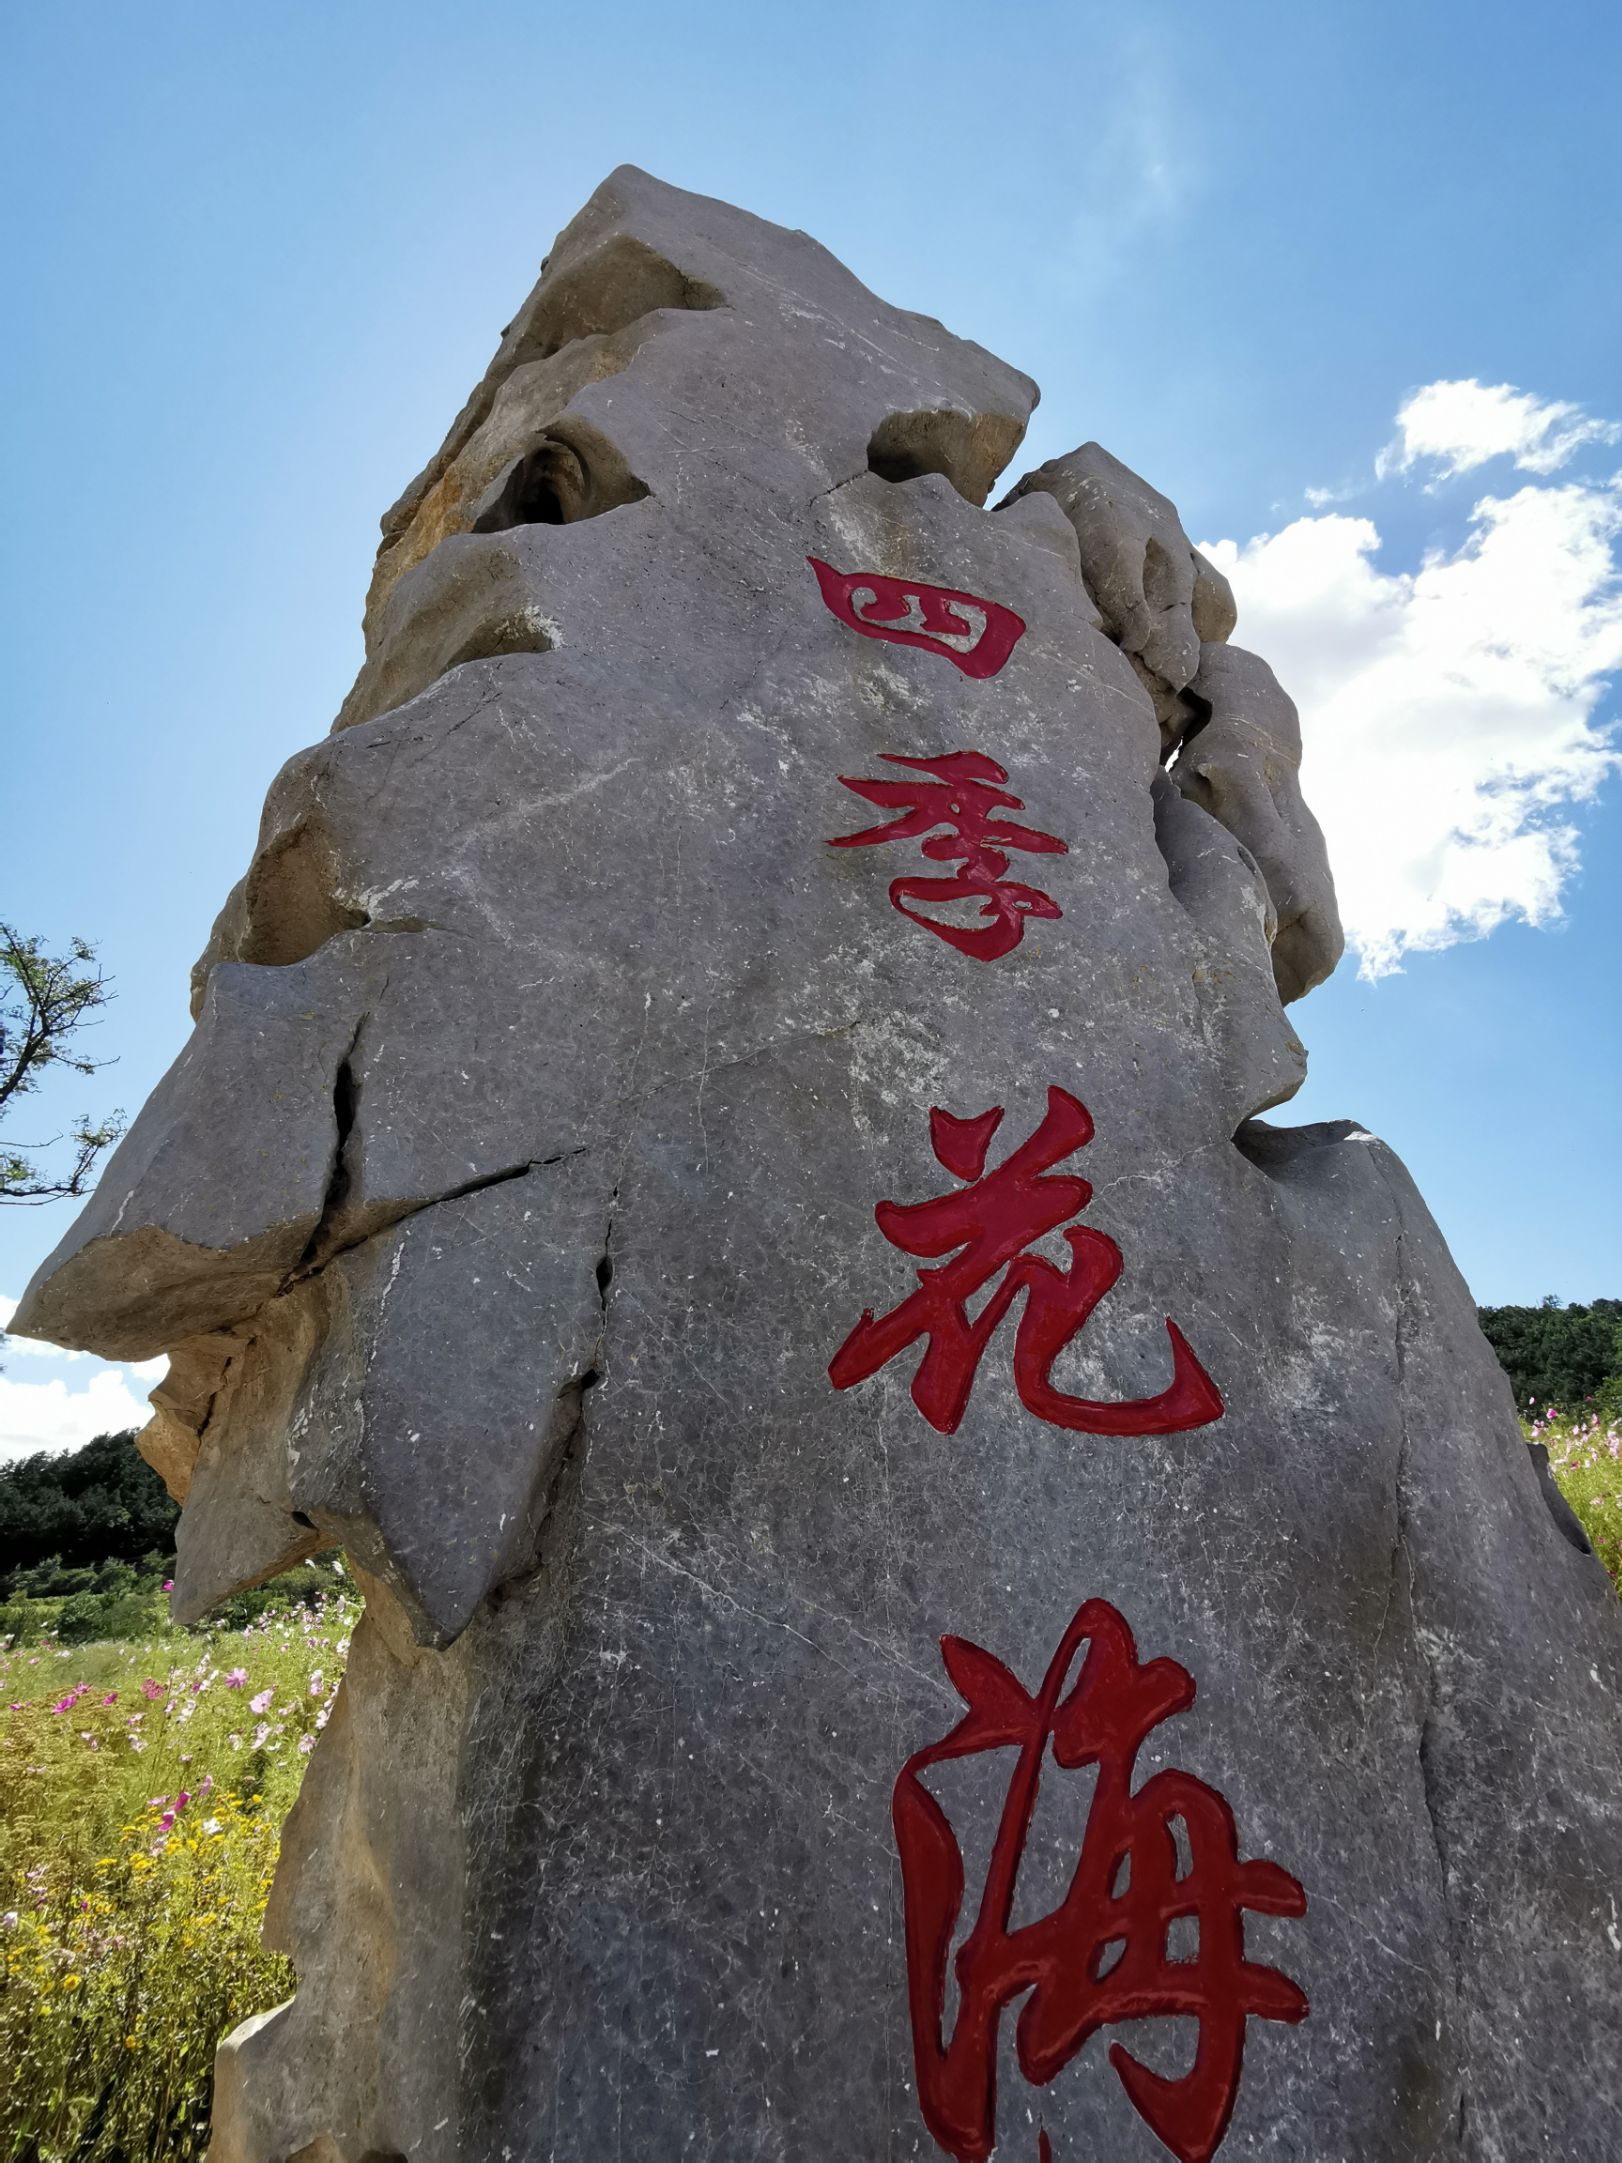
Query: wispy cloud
[
  {"x": 1138, "y": 169},
  {"x": 1450, "y": 713},
  {"x": 1453, "y": 427}
]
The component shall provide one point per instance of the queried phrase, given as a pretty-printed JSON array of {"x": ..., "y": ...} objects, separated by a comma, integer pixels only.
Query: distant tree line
[
  {"x": 87, "y": 1538},
  {"x": 1561, "y": 1356},
  {"x": 77, "y": 1510}
]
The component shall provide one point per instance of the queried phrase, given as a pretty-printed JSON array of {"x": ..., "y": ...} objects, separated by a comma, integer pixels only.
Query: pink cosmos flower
[
  {"x": 306, "y": 1744},
  {"x": 168, "y": 1584},
  {"x": 149, "y": 1688},
  {"x": 235, "y": 1677},
  {"x": 111, "y": 1698},
  {"x": 261, "y": 1703}
]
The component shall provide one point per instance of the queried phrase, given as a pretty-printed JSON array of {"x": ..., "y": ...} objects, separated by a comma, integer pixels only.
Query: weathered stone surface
[
  {"x": 1242, "y": 764},
  {"x": 211, "y": 1200},
  {"x": 1158, "y": 596},
  {"x": 519, "y": 1189}
]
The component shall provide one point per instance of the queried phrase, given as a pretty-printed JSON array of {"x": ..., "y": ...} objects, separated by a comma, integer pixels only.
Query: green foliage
[
  {"x": 77, "y": 1622},
  {"x": 79, "y": 1511},
  {"x": 142, "y": 1789},
  {"x": 45, "y": 1000},
  {"x": 1560, "y": 1356}
]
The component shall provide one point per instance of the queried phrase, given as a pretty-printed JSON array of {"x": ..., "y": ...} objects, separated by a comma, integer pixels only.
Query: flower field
[
  {"x": 1585, "y": 1456},
  {"x": 142, "y": 1792}
]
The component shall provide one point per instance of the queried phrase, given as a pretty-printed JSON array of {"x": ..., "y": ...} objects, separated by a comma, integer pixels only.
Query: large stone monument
[{"x": 935, "y": 1583}]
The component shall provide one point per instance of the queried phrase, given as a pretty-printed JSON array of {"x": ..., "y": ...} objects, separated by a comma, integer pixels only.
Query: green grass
[
  {"x": 1585, "y": 1456},
  {"x": 142, "y": 1792}
]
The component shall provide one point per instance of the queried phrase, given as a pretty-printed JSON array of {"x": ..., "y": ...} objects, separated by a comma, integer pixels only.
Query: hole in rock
[
  {"x": 555, "y": 484},
  {"x": 1177, "y": 741},
  {"x": 615, "y": 286},
  {"x": 522, "y": 633},
  {"x": 291, "y": 903},
  {"x": 605, "y": 1273},
  {"x": 308, "y": 1523},
  {"x": 969, "y": 449}
]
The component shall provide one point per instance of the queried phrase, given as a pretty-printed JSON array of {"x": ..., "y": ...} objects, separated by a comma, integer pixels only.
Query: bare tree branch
[{"x": 45, "y": 1000}]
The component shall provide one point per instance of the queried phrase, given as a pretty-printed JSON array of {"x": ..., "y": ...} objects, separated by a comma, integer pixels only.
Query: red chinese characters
[
  {"x": 974, "y": 634},
  {"x": 1105, "y": 1953},
  {"x": 986, "y": 1227},
  {"x": 962, "y": 796}
]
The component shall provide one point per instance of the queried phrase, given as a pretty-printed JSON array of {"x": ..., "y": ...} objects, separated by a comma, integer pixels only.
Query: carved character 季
[
  {"x": 1104, "y": 1953},
  {"x": 974, "y": 634},
  {"x": 963, "y": 797},
  {"x": 991, "y": 1221}
]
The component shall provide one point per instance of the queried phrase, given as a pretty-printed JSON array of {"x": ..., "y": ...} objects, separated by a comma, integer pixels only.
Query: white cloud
[
  {"x": 1448, "y": 713},
  {"x": 62, "y": 1413},
  {"x": 1459, "y": 425},
  {"x": 51, "y": 1416}
]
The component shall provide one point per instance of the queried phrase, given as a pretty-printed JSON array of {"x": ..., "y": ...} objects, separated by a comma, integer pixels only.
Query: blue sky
[{"x": 256, "y": 257}]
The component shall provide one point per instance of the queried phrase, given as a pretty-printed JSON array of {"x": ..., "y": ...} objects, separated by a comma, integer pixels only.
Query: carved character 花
[{"x": 990, "y": 1222}]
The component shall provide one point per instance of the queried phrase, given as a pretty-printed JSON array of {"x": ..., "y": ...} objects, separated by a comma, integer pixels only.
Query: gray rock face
[
  {"x": 1159, "y": 598},
  {"x": 582, "y": 1198}
]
